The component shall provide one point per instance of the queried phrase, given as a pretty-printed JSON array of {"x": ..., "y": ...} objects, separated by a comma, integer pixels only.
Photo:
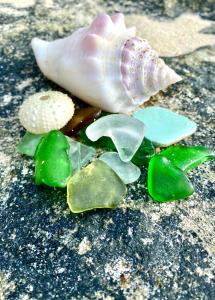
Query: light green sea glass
[
  {"x": 187, "y": 158},
  {"x": 140, "y": 158},
  {"x": 95, "y": 186},
  {"x": 127, "y": 171},
  {"x": 166, "y": 182},
  {"x": 52, "y": 163},
  {"x": 79, "y": 154},
  {"x": 164, "y": 127},
  {"x": 126, "y": 133},
  {"x": 29, "y": 143}
]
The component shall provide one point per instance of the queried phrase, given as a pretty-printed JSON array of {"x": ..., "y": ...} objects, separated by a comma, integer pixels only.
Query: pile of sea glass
[{"x": 97, "y": 154}]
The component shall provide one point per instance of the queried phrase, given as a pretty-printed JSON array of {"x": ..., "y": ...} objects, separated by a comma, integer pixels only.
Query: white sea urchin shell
[
  {"x": 46, "y": 111},
  {"x": 105, "y": 65}
]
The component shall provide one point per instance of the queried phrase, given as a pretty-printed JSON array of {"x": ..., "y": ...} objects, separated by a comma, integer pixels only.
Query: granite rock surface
[{"x": 141, "y": 250}]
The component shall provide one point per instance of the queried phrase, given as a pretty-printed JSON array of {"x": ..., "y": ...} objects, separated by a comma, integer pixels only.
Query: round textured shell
[{"x": 46, "y": 111}]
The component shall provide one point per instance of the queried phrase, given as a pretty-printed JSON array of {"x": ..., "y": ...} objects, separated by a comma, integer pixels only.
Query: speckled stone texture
[{"x": 142, "y": 250}]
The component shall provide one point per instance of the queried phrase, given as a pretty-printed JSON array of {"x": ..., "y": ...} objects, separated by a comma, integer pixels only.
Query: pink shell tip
[
  {"x": 118, "y": 20},
  {"x": 102, "y": 25},
  {"x": 91, "y": 44}
]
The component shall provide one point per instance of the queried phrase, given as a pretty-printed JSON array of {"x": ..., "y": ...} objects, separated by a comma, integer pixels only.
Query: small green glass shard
[
  {"x": 79, "y": 154},
  {"x": 144, "y": 153},
  {"x": 29, "y": 143},
  {"x": 104, "y": 142},
  {"x": 126, "y": 133},
  {"x": 187, "y": 158},
  {"x": 127, "y": 171},
  {"x": 166, "y": 182},
  {"x": 52, "y": 163},
  {"x": 95, "y": 186}
]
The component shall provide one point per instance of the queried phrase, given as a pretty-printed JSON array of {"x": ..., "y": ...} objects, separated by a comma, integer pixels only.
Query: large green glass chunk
[
  {"x": 166, "y": 182},
  {"x": 127, "y": 171},
  {"x": 95, "y": 186},
  {"x": 52, "y": 163},
  {"x": 79, "y": 154},
  {"x": 126, "y": 133},
  {"x": 144, "y": 153},
  {"x": 29, "y": 143},
  {"x": 187, "y": 158}
]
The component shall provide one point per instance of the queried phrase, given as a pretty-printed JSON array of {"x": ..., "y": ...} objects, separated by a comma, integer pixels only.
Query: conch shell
[{"x": 105, "y": 65}]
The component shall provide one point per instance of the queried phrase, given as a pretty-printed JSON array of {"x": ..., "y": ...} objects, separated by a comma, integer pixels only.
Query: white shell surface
[
  {"x": 46, "y": 111},
  {"x": 92, "y": 65}
]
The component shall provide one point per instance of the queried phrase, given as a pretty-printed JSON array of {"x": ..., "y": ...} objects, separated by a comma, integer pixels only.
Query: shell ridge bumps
[{"x": 105, "y": 65}]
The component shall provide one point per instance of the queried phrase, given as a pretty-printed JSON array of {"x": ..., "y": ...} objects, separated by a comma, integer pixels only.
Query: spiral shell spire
[{"x": 143, "y": 72}]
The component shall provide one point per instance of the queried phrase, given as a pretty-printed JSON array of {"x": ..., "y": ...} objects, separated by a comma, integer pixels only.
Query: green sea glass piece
[
  {"x": 166, "y": 182},
  {"x": 79, "y": 154},
  {"x": 164, "y": 127},
  {"x": 126, "y": 133},
  {"x": 144, "y": 153},
  {"x": 29, "y": 143},
  {"x": 52, "y": 163},
  {"x": 127, "y": 171},
  {"x": 95, "y": 186},
  {"x": 187, "y": 158},
  {"x": 104, "y": 142}
]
